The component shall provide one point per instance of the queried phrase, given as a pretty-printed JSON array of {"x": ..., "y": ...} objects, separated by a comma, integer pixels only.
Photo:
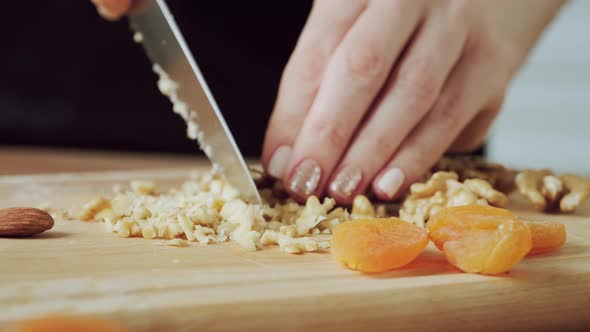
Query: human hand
[
  {"x": 377, "y": 90},
  {"x": 113, "y": 9}
]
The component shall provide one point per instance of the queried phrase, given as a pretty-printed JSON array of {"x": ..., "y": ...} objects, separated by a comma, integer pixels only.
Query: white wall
[{"x": 546, "y": 119}]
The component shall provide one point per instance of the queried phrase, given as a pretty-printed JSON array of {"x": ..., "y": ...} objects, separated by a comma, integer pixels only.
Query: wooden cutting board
[{"x": 79, "y": 268}]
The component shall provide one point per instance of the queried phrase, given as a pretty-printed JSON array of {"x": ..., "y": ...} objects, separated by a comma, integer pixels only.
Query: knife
[{"x": 182, "y": 80}]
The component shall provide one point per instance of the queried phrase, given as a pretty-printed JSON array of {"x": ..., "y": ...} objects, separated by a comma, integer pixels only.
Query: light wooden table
[
  {"x": 79, "y": 269},
  {"x": 547, "y": 110},
  {"x": 19, "y": 160}
]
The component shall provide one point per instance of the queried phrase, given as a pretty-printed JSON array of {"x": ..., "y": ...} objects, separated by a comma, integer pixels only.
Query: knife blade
[{"x": 182, "y": 81}]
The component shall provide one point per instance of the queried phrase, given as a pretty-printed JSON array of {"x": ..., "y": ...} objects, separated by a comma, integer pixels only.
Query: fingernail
[
  {"x": 391, "y": 181},
  {"x": 306, "y": 178},
  {"x": 278, "y": 162},
  {"x": 346, "y": 182}
]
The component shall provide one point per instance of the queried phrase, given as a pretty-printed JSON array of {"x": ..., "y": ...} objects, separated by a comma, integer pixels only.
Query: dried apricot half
[
  {"x": 377, "y": 245},
  {"x": 547, "y": 236},
  {"x": 480, "y": 239}
]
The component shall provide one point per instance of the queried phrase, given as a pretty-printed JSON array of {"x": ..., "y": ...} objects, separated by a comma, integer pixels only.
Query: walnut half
[{"x": 548, "y": 192}]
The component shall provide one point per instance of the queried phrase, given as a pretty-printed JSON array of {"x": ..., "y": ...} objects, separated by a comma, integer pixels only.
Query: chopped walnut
[
  {"x": 578, "y": 191},
  {"x": 124, "y": 227},
  {"x": 143, "y": 187},
  {"x": 552, "y": 188},
  {"x": 207, "y": 209},
  {"x": 122, "y": 204},
  {"x": 530, "y": 185},
  {"x": 187, "y": 226},
  {"x": 249, "y": 220},
  {"x": 289, "y": 230},
  {"x": 297, "y": 245},
  {"x": 149, "y": 232},
  {"x": 313, "y": 213},
  {"x": 469, "y": 167},
  {"x": 437, "y": 182},
  {"x": 141, "y": 213},
  {"x": 92, "y": 208},
  {"x": 362, "y": 208},
  {"x": 270, "y": 237},
  {"x": 444, "y": 189},
  {"x": 485, "y": 190},
  {"x": 548, "y": 192},
  {"x": 204, "y": 235},
  {"x": 289, "y": 244}
]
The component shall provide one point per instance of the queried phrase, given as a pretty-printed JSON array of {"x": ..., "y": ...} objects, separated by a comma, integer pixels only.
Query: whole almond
[{"x": 21, "y": 222}]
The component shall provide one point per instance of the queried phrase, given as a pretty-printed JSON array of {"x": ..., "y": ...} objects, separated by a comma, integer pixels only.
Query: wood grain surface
[
  {"x": 78, "y": 268},
  {"x": 34, "y": 160}
]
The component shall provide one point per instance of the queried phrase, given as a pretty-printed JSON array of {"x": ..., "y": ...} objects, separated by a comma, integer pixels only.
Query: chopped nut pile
[
  {"x": 498, "y": 176},
  {"x": 208, "y": 210},
  {"x": 444, "y": 189}
]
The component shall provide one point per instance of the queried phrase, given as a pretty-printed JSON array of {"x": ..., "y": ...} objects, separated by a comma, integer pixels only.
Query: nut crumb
[
  {"x": 92, "y": 208},
  {"x": 172, "y": 243},
  {"x": 143, "y": 187}
]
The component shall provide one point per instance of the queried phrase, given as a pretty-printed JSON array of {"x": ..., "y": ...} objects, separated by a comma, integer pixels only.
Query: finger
[
  {"x": 353, "y": 78},
  {"x": 472, "y": 137},
  {"x": 325, "y": 29},
  {"x": 409, "y": 94},
  {"x": 464, "y": 93},
  {"x": 112, "y": 9}
]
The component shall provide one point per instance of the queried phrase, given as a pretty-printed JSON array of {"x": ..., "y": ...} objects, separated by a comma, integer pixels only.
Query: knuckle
[
  {"x": 448, "y": 108},
  {"x": 365, "y": 63},
  {"x": 309, "y": 62},
  {"x": 289, "y": 120},
  {"x": 419, "y": 81},
  {"x": 419, "y": 156},
  {"x": 331, "y": 134},
  {"x": 384, "y": 144},
  {"x": 491, "y": 52}
]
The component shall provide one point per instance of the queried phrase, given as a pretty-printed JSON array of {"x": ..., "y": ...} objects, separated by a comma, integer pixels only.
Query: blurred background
[
  {"x": 73, "y": 80},
  {"x": 546, "y": 117}
]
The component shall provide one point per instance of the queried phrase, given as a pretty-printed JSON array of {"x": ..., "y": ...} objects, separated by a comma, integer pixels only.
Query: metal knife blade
[{"x": 184, "y": 83}]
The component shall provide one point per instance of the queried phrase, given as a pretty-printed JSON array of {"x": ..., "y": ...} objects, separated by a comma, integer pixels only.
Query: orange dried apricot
[
  {"x": 480, "y": 239},
  {"x": 58, "y": 323},
  {"x": 547, "y": 236},
  {"x": 377, "y": 245}
]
